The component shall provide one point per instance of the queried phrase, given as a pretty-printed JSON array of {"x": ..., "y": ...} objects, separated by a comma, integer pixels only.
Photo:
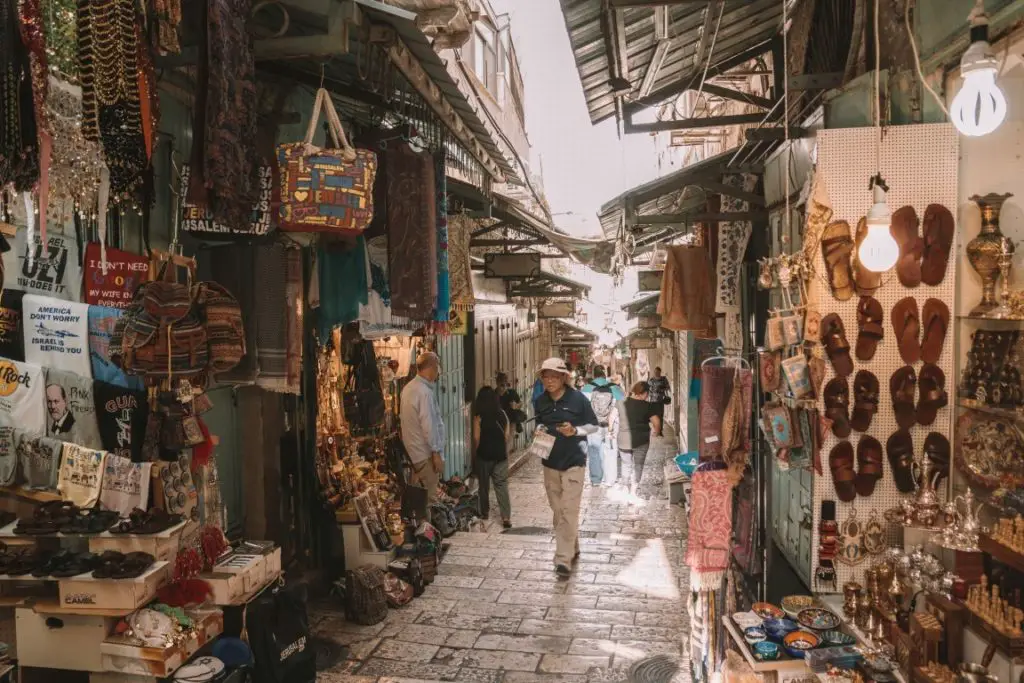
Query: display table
[{"x": 784, "y": 666}]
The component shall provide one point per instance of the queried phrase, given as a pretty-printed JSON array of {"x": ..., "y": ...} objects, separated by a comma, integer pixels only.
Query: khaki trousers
[
  {"x": 565, "y": 490},
  {"x": 425, "y": 475}
]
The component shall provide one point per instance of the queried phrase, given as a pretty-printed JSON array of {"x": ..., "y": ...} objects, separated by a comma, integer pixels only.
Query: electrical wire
[
  {"x": 878, "y": 95},
  {"x": 917, "y": 57},
  {"x": 707, "y": 62},
  {"x": 785, "y": 107}
]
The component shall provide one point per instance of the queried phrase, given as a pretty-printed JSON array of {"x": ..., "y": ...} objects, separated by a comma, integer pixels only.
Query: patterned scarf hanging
[
  {"x": 460, "y": 230},
  {"x": 444, "y": 295},
  {"x": 19, "y": 149},
  {"x": 412, "y": 232}
]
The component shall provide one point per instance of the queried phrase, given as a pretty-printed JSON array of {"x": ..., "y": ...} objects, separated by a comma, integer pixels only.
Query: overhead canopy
[
  {"x": 565, "y": 333},
  {"x": 633, "y": 49},
  {"x": 548, "y": 285},
  {"x": 645, "y": 305}
]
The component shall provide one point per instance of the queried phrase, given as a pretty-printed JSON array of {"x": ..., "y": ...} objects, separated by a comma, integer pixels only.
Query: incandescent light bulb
[
  {"x": 879, "y": 251},
  {"x": 980, "y": 106}
]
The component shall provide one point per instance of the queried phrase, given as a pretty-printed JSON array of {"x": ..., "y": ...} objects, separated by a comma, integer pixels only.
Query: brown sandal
[
  {"x": 935, "y": 319},
  {"x": 833, "y": 337},
  {"x": 865, "y": 281},
  {"x": 906, "y": 323},
  {"x": 869, "y": 320},
  {"x": 836, "y": 249},
  {"x": 902, "y": 387},
  {"x": 938, "y": 228},
  {"x": 932, "y": 384},
  {"x": 837, "y": 406},
  {"x": 869, "y": 465},
  {"x": 936, "y": 448},
  {"x": 865, "y": 400},
  {"x": 900, "y": 449},
  {"x": 840, "y": 462},
  {"x": 904, "y": 231}
]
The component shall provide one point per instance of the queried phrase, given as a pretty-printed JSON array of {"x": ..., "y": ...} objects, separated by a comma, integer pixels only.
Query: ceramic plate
[
  {"x": 988, "y": 451},
  {"x": 746, "y": 619},
  {"x": 793, "y": 604},
  {"x": 838, "y": 638},
  {"x": 818, "y": 619},
  {"x": 799, "y": 642},
  {"x": 767, "y": 610}
]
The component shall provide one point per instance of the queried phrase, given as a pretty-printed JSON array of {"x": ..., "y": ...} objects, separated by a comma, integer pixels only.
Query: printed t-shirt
[
  {"x": 102, "y": 320},
  {"x": 12, "y": 338},
  {"x": 81, "y": 472},
  {"x": 122, "y": 415},
  {"x": 71, "y": 409},
  {"x": 125, "y": 484},
  {"x": 56, "y": 334},
  {"x": 39, "y": 457},
  {"x": 53, "y": 271},
  {"x": 22, "y": 396}
]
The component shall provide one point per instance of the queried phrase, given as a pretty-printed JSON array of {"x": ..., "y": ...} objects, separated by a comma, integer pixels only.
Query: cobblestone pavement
[{"x": 496, "y": 612}]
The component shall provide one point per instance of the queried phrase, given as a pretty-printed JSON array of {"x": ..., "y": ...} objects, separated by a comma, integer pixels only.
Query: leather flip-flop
[
  {"x": 840, "y": 462},
  {"x": 932, "y": 385},
  {"x": 906, "y": 323},
  {"x": 902, "y": 386},
  {"x": 837, "y": 406},
  {"x": 870, "y": 332},
  {"x": 836, "y": 250},
  {"x": 900, "y": 449},
  {"x": 904, "y": 230},
  {"x": 937, "y": 229},
  {"x": 935, "y": 322},
  {"x": 865, "y": 281},
  {"x": 833, "y": 337},
  {"x": 869, "y": 465},
  {"x": 936, "y": 448},
  {"x": 865, "y": 400}
]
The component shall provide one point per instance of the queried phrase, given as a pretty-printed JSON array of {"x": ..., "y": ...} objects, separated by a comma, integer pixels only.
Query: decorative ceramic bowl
[
  {"x": 747, "y": 619},
  {"x": 792, "y": 605},
  {"x": 767, "y": 610},
  {"x": 838, "y": 638},
  {"x": 778, "y": 628},
  {"x": 798, "y": 643},
  {"x": 754, "y": 634},
  {"x": 766, "y": 651},
  {"x": 818, "y": 619}
]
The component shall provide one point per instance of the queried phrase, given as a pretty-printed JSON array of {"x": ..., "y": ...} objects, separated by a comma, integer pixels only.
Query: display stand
[{"x": 359, "y": 551}]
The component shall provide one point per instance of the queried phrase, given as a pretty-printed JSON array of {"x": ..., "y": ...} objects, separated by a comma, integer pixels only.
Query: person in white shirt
[{"x": 423, "y": 431}]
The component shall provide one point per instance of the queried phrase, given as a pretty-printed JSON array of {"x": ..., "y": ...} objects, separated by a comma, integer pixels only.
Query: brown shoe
[
  {"x": 836, "y": 250},
  {"x": 840, "y": 462},
  {"x": 837, "y": 406},
  {"x": 869, "y": 465},
  {"x": 837, "y": 348},
  {"x": 935, "y": 322},
  {"x": 938, "y": 229},
  {"x": 900, "y": 449},
  {"x": 865, "y": 400},
  {"x": 870, "y": 330},
  {"x": 932, "y": 385},
  {"x": 902, "y": 387},
  {"x": 904, "y": 231},
  {"x": 906, "y": 323}
]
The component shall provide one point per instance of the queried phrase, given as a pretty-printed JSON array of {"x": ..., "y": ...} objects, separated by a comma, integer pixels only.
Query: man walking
[
  {"x": 658, "y": 395},
  {"x": 423, "y": 431},
  {"x": 603, "y": 397},
  {"x": 567, "y": 415}
]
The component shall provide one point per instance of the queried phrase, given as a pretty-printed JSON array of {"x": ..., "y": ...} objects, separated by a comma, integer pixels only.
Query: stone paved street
[{"x": 497, "y": 613}]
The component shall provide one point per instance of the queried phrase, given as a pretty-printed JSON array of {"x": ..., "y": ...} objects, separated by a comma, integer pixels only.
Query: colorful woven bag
[{"x": 322, "y": 189}]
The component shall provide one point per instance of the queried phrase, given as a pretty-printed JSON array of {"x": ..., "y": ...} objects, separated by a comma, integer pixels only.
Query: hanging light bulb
[
  {"x": 879, "y": 251},
  {"x": 980, "y": 106}
]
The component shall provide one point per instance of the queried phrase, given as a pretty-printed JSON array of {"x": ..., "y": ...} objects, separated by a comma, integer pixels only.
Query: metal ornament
[
  {"x": 875, "y": 541},
  {"x": 851, "y": 541}
]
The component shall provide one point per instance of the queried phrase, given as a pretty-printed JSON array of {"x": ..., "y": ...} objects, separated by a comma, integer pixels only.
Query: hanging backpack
[
  {"x": 602, "y": 400},
  {"x": 363, "y": 398},
  {"x": 225, "y": 331}
]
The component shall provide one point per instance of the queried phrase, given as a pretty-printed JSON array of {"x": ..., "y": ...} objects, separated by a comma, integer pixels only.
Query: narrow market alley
[{"x": 498, "y": 613}]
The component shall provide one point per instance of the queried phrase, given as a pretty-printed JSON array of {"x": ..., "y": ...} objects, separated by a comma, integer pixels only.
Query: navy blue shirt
[{"x": 574, "y": 408}]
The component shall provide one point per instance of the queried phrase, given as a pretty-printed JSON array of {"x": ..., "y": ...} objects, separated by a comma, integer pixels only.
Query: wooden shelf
[
  {"x": 1008, "y": 413},
  {"x": 784, "y": 665},
  {"x": 984, "y": 319},
  {"x": 1001, "y": 553}
]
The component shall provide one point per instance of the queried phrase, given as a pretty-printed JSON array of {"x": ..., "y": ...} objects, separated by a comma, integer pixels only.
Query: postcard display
[{"x": 920, "y": 165}]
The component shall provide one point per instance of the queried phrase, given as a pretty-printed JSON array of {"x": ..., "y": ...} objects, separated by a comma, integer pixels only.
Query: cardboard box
[
  {"x": 64, "y": 641},
  {"x": 125, "y": 658},
  {"x": 85, "y": 592},
  {"x": 235, "y": 581},
  {"x": 163, "y": 546}
]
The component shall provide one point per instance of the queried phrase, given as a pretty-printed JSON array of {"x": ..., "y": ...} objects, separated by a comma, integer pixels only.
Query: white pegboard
[{"x": 920, "y": 164}]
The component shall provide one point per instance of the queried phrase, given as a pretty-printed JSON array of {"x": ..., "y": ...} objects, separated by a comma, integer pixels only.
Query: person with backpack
[
  {"x": 492, "y": 433},
  {"x": 630, "y": 427},
  {"x": 603, "y": 396}
]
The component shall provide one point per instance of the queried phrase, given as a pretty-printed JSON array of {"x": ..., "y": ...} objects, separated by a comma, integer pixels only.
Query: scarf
[
  {"x": 460, "y": 230},
  {"x": 709, "y": 545},
  {"x": 412, "y": 232},
  {"x": 736, "y": 420},
  {"x": 444, "y": 294},
  {"x": 716, "y": 387},
  {"x": 686, "y": 301},
  {"x": 343, "y": 284}
]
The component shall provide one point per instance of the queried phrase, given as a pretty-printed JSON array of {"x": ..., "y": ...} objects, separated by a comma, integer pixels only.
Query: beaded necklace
[{"x": 19, "y": 150}]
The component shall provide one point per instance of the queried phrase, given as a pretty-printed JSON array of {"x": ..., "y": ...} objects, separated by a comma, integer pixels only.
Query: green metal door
[
  {"x": 451, "y": 396},
  {"x": 222, "y": 420}
]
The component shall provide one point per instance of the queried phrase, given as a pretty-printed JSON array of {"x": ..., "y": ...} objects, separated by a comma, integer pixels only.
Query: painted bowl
[
  {"x": 838, "y": 638},
  {"x": 747, "y": 619},
  {"x": 798, "y": 643},
  {"x": 792, "y": 605},
  {"x": 818, "y": 619},
  {"x": 754, "y": 634},
  {"x": 778, "y": 628},
  {"x": 765, "y": 651},
  {"x": 767, "y": 610}
]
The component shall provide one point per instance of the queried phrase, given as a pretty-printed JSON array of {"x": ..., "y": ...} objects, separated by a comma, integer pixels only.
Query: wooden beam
[
  {"x": 763, "y": 134},
  {"x": 701, "y": 53},
  {"x": 688, "y": 124},
  {"x": 506, "y": 243},
  {"x": 816, "y": 81},
  {"x": 654, "y": 3},
  {"x": 738, "y": 95},
  {"x": 664, "y": 219},
  {"x": 660, "y": 52},
  {"x": 480, "y": 232},
  {"x": 739, "y": 193}
]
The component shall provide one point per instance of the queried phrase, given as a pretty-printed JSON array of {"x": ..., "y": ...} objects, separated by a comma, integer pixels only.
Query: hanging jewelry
[{"x": 851, "y": 541}]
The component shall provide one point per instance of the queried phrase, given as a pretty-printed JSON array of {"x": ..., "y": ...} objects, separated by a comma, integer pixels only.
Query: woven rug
[
  {"x": 709, "y": 545},
  {"x": 460, "y": 230},
  {"x": 412, "y": 232}
]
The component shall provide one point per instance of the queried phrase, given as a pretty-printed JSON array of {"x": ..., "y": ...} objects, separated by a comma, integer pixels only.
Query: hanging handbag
[
  {"x": 326, "y": 189},
  {"x": 363, "y": 398},
  {"x": 797, "y": 375},
  {"x": 774, "y": 337}
]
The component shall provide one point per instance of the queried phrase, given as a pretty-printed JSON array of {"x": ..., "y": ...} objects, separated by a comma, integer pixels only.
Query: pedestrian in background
[
  {"x": 603, "y": 396},
  {"x": 631, "y": 426},
  {"x": 658, "y": 394},
  {"x": 492, "y": 434},
  {"x": 511, "y": 401},
  {"x": 567, "y": 415},
  {"x": 423, "y": 431}
]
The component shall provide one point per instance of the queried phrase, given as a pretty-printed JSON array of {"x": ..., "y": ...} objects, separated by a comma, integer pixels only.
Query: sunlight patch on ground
[
  {"x": 620, "y": 494},
  {"x": 651, "y": 572}
]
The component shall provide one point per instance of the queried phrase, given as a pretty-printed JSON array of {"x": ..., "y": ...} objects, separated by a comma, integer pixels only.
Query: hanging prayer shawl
[
  {"x": 22, "y": 398},
  {"x": 686, "y": 301},
  {"x": 54, "y": 271},
  {"x": 460, "y": 229},
  {"x": 81, "y": 471},
  {"x": 12, "y": 337},
  {"x": 709, "y": 546},
  {"x": 121, "y": 415},
  {"x": 125, "y": 484},
  {"x": 57, "y": 334},
  {"x": 115, "y": 288},
  {"x": 444, "y": 295},
  {"x": 101, "y": 327},
  {"x": 412, "y": 232},
  {"x": 71, "y": 409},
  {"x": 343, "y": 284},
  {"x": 39, "y": 459}
]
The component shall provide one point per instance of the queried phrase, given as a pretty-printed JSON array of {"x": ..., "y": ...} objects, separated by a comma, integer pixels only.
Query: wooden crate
[
  {"x": 65, "y": 641},
  {"x": 124, "y": 658},
  {"x": 84, "y": 591},
  {"x": 235, "y": 585},
  {"x": 163, "y": 546}
]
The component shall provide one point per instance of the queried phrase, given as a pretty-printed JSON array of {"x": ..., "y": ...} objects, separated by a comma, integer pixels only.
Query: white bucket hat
[{"x": 556, "y": 364}]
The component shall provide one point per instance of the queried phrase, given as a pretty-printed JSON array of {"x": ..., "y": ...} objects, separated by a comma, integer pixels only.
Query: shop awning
[
  {"x": 548, "y": 285},
  {"x": 645, "y": 305},
  {"x": 564, "y": 333}
]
